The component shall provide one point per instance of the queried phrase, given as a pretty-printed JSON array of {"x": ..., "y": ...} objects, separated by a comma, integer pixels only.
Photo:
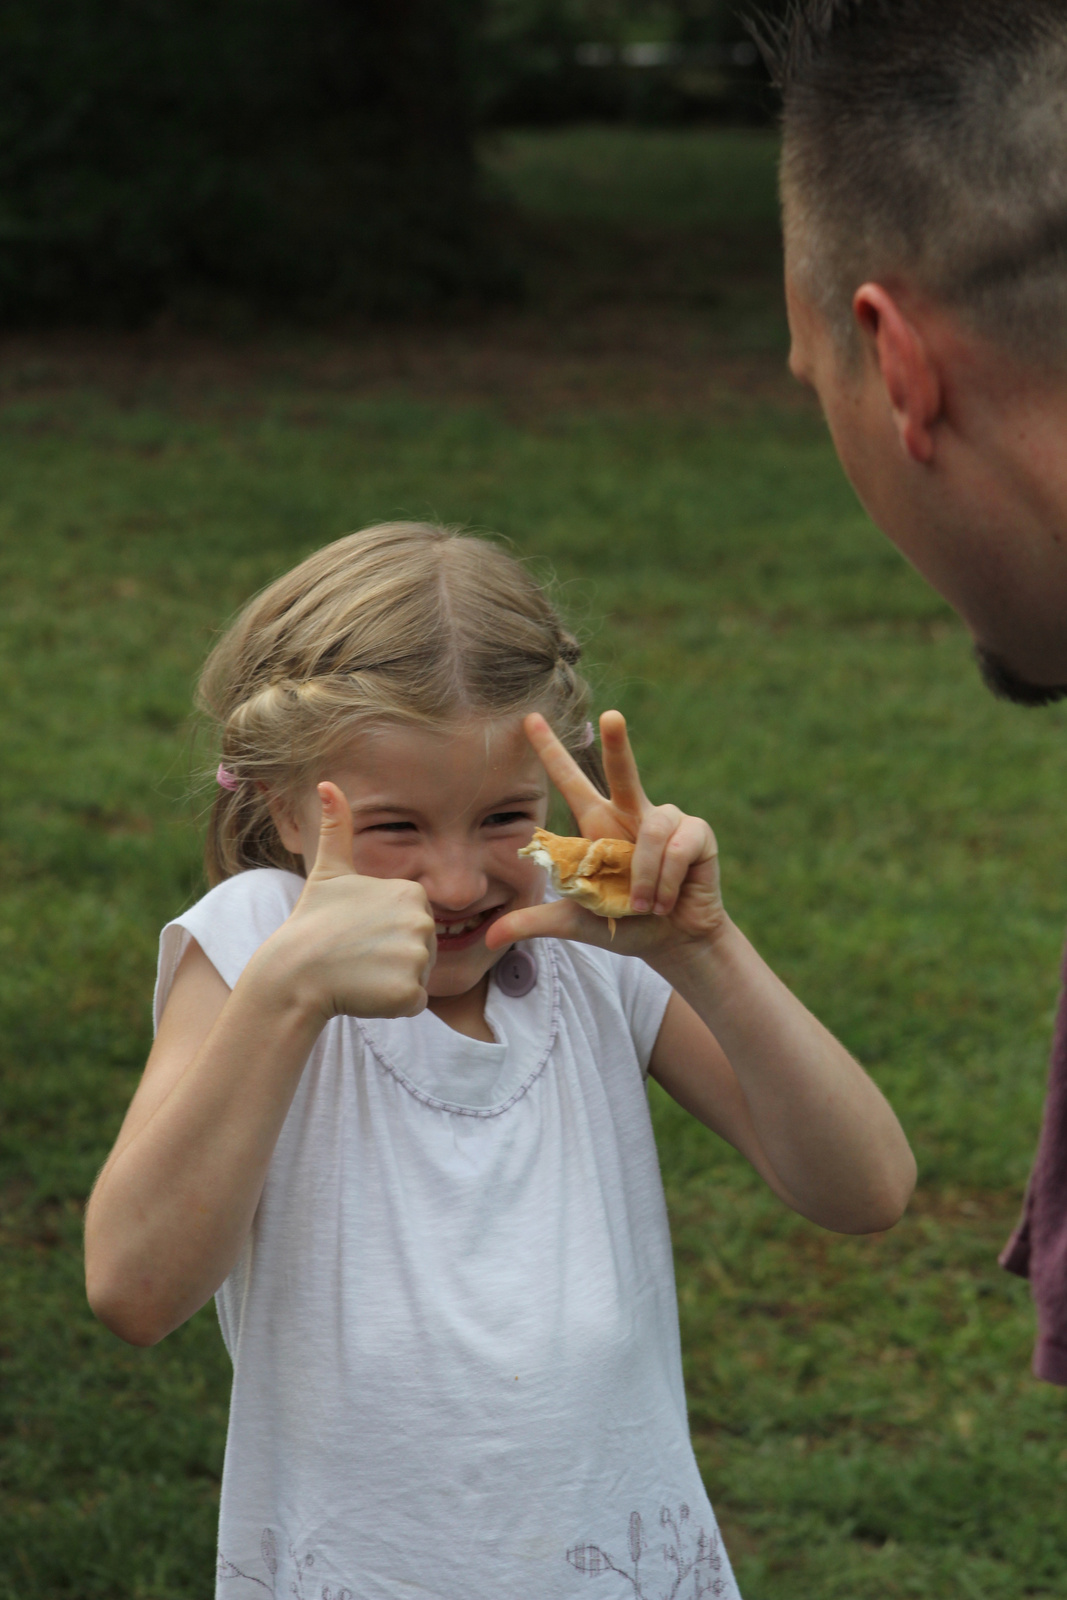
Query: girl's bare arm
[
  {"x": 173, "y": 1205},
  {"x": 738, "y": 1049},
  {"x": 744, "y": 1055}
]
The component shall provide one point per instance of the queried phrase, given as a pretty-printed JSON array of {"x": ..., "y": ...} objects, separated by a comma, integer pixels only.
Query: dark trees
[{"x": 307, "y": 154}]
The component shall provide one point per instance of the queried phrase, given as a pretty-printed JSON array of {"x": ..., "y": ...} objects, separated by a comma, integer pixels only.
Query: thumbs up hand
[
  {"x": 334, "y": 858},
  {"x": 358, "y": 947}
]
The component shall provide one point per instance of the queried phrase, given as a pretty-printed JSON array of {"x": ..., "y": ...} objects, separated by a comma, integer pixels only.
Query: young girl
[{"x": 395, "y": 1116}]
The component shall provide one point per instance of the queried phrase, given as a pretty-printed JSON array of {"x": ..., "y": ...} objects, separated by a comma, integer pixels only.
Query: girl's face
[{"x": 446, "y": 810}]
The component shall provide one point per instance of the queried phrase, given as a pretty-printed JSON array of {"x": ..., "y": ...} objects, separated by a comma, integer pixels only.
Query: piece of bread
[{"x": 595, "y": 872}]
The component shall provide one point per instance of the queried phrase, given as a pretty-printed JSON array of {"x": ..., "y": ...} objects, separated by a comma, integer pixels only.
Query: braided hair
[{"x": 404, "y": 623}]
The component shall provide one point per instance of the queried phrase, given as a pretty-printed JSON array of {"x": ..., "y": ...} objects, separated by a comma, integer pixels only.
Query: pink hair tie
[
  {"x": 588, "y": 735},
  {"x": 225, "y": 778}
]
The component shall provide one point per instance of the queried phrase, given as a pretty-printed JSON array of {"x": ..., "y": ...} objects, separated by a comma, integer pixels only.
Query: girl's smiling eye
[
  {"x": 391, "y": 827},
  {"x": 504, "y": 819}
]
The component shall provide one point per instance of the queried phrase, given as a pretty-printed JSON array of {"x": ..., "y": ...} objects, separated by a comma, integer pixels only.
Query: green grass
[
  {"x": 891, "y": 838},
  {"x": 674, "y": 218},
  {"x": 659, "y": 178}
]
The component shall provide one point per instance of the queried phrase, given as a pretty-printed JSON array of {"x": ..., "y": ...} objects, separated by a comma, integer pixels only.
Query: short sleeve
[
  {"x": 644, "y": 995},
  {"x": 229, "y": 924}
]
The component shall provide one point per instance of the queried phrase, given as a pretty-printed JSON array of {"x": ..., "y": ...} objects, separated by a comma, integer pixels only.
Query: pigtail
[
  {"x": 241, "y": 834},
  {"x": 576, "y": 726}
]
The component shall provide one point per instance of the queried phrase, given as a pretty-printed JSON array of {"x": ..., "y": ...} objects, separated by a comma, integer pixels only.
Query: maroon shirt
[{"x": 1038, "y": 1248}]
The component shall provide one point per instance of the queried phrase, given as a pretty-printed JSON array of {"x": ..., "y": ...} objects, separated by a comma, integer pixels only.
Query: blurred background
[
  {"x": 271, "y": 271},
  {"x": 178, "y": 157}
]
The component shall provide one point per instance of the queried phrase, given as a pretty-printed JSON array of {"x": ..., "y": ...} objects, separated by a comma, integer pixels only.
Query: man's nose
[{"x": 454, "y": 879}]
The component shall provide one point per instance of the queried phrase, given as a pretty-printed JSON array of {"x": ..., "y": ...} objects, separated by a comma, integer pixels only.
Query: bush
[{"x": 311, "y": 154}]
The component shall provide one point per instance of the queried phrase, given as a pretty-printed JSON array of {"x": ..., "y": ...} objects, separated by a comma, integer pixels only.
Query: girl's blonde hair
[{"x": 404, "y": 622}]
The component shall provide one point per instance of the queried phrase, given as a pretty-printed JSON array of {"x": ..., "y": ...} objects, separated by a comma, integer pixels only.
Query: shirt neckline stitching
[{"x": 484, "y": 1112}]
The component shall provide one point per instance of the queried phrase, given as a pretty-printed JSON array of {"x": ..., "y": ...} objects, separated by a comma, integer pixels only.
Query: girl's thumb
[{"x": 333, "y": 859}]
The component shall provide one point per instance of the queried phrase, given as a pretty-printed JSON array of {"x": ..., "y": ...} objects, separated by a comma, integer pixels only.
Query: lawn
[{"x": 891, "y": 839}]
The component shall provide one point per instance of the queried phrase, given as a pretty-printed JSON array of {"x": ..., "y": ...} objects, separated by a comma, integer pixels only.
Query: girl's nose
[{"x": 454, "y": 880}]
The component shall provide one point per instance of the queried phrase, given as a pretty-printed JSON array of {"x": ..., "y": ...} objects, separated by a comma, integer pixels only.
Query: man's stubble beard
[{"x": 1003, "y": 681}]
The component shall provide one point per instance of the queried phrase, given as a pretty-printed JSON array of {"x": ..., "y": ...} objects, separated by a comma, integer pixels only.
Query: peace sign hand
[{"x": 675, "y": 873}]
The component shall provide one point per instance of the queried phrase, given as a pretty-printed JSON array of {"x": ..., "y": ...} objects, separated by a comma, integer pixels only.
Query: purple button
[{"x": 516, "y": 973}]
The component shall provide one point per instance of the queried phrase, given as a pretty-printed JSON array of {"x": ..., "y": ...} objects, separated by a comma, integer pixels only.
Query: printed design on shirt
[
  {"x": 685, "y": 1555},
  {"x": 303, "y": 1583}
]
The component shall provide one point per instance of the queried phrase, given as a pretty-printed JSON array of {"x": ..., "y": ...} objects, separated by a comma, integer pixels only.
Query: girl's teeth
[{"x": 452, "y": 930}]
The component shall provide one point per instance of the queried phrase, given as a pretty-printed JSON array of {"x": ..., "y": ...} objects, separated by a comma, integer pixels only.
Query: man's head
[
  {"x": 924, "y": 187},
  {"x": 928, "y": 138}
]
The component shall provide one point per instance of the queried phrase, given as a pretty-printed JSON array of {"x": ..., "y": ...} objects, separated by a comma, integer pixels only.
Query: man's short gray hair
[{"x": 928, "y": 139}]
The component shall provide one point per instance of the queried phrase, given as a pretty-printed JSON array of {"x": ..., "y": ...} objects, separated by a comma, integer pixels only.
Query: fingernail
[
  {"x": 639, "y": 903},
  {"x": 660, "y": 909}
]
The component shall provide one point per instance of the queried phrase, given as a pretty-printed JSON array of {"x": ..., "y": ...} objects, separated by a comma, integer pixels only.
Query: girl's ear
[{"x": 284, "y": 820}]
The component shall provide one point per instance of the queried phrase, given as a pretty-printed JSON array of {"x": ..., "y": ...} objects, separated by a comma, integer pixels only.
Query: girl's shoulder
[
  {"x": 615, "y": 987},
  {"x": 229, "y": 924}
]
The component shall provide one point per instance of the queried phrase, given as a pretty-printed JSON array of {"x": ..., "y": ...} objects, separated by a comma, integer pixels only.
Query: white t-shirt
[{"x": 454, "y": 1331}]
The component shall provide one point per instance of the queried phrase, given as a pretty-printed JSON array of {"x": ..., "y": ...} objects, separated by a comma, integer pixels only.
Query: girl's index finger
[{"x": 561, "y": 766}]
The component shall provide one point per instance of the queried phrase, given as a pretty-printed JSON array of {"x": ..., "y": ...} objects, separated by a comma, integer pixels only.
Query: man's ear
[{"x": 910, "y": 377}]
